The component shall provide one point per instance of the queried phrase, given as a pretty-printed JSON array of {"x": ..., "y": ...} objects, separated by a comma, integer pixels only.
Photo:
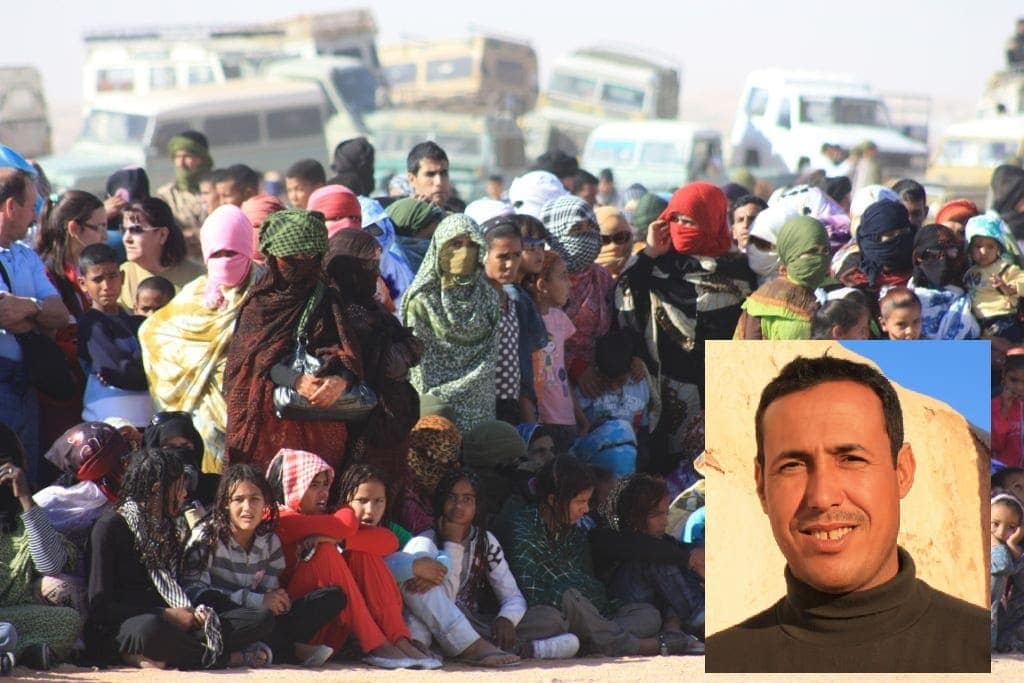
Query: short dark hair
[
  {"x": 424, "y": 150},
  {"x": 898, "y": 297},
  {"x": 558, "y": 163},
  {"x": 614, "y": 353},
  {"x": 158, "y": 214},
  {"x": 606, "y": 175},
  {"x": 243, "y": 177},
  {"x": 13, "y": 184},
  {"x": 157, "y": 284},
  {"x": 1000, "y": 477},
  {"x": 500, "y": 227},
  {"x": 308, "y": 170},
  {"x": 530, "y": 226},
  {"x": 495, "y": 178},
  {"x": 96, "y": 255},
  {"x": 806, "y": 373},
  {"x": 910, "y": 190},
  {"x": 213, "y": 176},
  {"x": 582, "y": 178},
  {"x": 838, "y": 187},
  {"x": 745, "y": 199}
]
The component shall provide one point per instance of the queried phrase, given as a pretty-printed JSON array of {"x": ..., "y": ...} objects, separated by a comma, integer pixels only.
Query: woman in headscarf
[
  {"x": 394, "y": 267},
  {"x": 185, "y": 343},
  {"x": 434, "y": 447},
  {"x": 30, "y": 548},
  {"x": 811, "y": 201},
  {"x": 862, "y": 199},
  {"x": 353, "y": 166},
  {"x": 686, "y": 260},
  {"x": 762, "y": 252},
  {"x": 954, "y": 214},
  {"x": 256, "y": 209},
  {"x": 294, "y": 243},
  {"x": 452, "y": 308},
  {"x": 414, "y": 222},
  {"x": 175, "y": 431},
  {"x": 616, "y": 240},
  {"x": 339, "y": 206},
  {"x": 939, "y": 265},
  {"x": 387, "y": 351},
  {"x": 785, "y": 307},
  {"x": 885, "y": 240},
  {"x": 573, "y": 232},
  {"x": 493, "y": 450},
  {"x": 1008, "y": 197}
]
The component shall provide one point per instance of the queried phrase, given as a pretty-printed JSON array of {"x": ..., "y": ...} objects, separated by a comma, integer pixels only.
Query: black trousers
[
  {"x": 152, "y": 636},
  {"x": 308, "y": 614}
]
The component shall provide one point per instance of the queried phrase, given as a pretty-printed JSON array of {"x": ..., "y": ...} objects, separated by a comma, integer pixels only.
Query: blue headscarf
[
  {"x": 394, "y": 268},
  {"x": 11, "y": 159},
  {"x": 611, "y": 445},
  {"x": 989, "y": 224}
]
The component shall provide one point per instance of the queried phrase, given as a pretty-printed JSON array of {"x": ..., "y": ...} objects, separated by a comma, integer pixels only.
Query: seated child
[
  {"x": 310, "y": 536},
  {"x": 1007, "y": 545},
  {"x": 456, "y": 613},
  {"x": 108, "y": 344},
  {"x": 643, "y": 563},
  {"x": 152, "y": 294},
  {"x": 845, "y": 318},
  {"x": 994, "y": 282},
  {"x": 550, "y": 558},
  {"x": 1008, "y": 414},
  {"x": 234, "y": 559},
  {"x": 624, "y": 396},
  {"x": 900, "y": 314}
]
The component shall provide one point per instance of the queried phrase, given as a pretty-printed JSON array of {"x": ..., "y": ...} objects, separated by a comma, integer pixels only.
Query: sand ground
[{"x": 626, "y": 669}]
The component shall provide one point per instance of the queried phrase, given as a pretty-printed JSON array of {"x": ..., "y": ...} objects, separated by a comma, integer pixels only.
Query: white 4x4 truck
[{"x": 786, "y": 116}]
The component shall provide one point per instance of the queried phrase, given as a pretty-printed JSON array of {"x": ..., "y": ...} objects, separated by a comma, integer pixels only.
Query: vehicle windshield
[
  {"x": 611, "y": 152},
  {"x": 976, "y": 152},
  {"x": 114, "y": 128},
  {"x": 846, "y": 111},
  {"x": 622, "y": 97},
  {"x": 358, "y": 88},
  {"x": 577, "y": 87},
  {"x": 663, "y": 154}
]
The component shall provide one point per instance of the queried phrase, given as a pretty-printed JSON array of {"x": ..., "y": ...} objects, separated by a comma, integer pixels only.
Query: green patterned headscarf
[
  {"x": 188, "y": 180},
  {"x": 412, "y": 215},
  {"x": 294, "y": 231}
]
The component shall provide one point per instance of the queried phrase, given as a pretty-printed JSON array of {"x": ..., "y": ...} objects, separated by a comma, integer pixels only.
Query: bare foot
[
  {"x": 486, "y": 654},
  {"x": 388, "y": 651},
  {"x": 410, "y": 650},
  {"x": 143, "y": 662}
]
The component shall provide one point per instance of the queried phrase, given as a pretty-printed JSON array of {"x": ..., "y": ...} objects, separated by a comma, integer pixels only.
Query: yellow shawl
[{"x": 184, "y": 351}]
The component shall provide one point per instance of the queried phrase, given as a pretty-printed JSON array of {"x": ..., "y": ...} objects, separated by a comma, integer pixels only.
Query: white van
[
  {"x": 784, "y": 116},
  {"x": 968, "y": 154},
  {"x": 265, "y": 124},
  {"x": 24, "y": 121},
  {"x": 660, "y": 155}
]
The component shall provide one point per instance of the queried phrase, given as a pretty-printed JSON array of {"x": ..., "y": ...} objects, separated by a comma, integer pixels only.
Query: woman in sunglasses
[
  {"x": 939, "y": 265},
  {"x": 76, "y": 221},
  {"x": 616, "y": 240},
  {"x": 155, "y": 245}
]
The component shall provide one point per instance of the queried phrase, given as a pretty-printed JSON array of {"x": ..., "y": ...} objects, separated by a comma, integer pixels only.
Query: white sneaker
[{"x": 557, "y": 647}]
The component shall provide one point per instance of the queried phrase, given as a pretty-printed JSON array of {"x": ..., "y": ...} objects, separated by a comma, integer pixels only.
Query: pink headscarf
[
  {"x": 225, "y": 228},
  {"x": 256, "y": 209},
  {"x": 339, "y": 206},
  {"x": 298, "y": 470}
]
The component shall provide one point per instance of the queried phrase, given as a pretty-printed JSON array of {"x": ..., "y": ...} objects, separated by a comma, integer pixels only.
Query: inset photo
[{"x": 847, "y": 521}]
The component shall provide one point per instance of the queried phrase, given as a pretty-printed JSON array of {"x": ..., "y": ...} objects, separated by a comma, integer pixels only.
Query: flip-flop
[{"x": 318, "y": 657}]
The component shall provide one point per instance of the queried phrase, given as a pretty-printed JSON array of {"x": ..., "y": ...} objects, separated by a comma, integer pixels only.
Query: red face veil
[{"x": 708, "y": 207}]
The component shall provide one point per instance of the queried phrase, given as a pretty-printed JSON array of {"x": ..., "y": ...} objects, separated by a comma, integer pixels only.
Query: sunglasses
[
  {"x": 138, "y": 230},
  {"x": 932, "y": 254},
  {"x": 617, "y": 238}
]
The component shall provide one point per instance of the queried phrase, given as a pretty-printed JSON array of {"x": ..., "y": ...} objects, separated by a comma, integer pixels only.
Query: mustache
[{"x": 837, "y": 517}]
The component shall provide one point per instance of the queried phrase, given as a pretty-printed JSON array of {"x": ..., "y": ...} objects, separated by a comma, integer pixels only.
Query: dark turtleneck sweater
[{"x": 904, "y": 625}]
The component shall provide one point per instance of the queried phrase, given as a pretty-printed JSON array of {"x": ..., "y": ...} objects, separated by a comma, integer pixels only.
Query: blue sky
[{"x": 954, "y": 372}]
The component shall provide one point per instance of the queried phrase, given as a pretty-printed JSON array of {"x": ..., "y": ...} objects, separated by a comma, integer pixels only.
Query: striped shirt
[
  {"x": 45, "y": 545},
  {"x": 242, "y": 576}
]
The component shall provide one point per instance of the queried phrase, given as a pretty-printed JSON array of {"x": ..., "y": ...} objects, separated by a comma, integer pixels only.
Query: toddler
[
  {"x": 900, "y": 314},
  {"x": 994, "y": 283}
]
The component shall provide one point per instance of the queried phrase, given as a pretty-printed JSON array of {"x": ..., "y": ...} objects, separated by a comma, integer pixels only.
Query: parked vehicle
[
  {"x": 24, "y": 118},
  {"x": 970, "y": 150},
  {"x": 786, "y": 116},
  {"x": 265, "y": 124},
  {"x": 660, "y": 155}
]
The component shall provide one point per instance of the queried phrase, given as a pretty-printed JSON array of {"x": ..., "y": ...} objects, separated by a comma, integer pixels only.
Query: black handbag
[
  {"x": 46, "y": 367},
  {"x": 355, "y": 404}
]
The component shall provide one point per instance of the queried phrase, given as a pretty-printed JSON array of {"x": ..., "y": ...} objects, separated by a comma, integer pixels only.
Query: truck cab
[{"x": 786, "y": 116}]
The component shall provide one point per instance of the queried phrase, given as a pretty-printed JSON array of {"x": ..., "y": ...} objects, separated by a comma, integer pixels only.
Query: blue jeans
[{"x": 19, "y": 410}]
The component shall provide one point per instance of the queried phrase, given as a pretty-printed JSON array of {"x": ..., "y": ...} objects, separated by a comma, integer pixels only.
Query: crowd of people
[{"x": 242, "y": 429}]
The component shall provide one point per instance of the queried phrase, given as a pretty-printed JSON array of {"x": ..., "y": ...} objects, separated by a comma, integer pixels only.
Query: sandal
[
  {"x": 488, "y": 661},
  {"x": 679, "y": 643},
  {"x": 257, "y": 655}
]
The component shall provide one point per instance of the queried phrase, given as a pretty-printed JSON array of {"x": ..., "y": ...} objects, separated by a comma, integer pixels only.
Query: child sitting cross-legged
[
  {"x": 459, "y": 613},
  {"x": 322, "y": 548},
  {"x": 234, "y": 559}
]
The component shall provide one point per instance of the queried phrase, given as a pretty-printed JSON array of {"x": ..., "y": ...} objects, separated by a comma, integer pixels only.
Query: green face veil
[{"x": 804, "y": 251}]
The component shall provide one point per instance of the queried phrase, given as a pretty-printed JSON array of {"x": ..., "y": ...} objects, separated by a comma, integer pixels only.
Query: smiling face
[
  {"x": 314, "y": 500},
  {"x": 369, "y": 501},
  {"x": 246, "y": 507},
  {"x": 829, "y": 487}
]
